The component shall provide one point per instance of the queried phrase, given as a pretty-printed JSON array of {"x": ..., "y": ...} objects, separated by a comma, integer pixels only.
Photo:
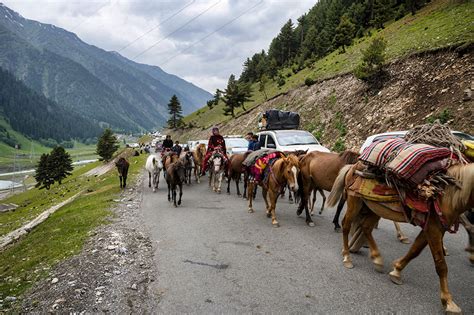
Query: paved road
[{"x": 214, "y": 257}]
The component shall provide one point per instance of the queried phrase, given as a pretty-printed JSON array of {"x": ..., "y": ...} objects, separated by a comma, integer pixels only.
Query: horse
[
  {"x": 122, "y": 168},
  {"x": 188, "y": 161},
  {"x": 284, "y": 171},
  {"x": 198, "y": 155},
  {"x": 319, "y": 171},
  {"x": 168, "y": 158},
  {"x": 153, "y": 166},
  {"x": 175, "y": 177},
  {"x": 236, "y": 169},
  {"x": 452, "y": 203},
  {"x": 216, "y": 170}
]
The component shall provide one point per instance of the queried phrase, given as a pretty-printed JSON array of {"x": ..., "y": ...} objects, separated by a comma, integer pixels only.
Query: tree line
[{"x": 37, "y": 117}]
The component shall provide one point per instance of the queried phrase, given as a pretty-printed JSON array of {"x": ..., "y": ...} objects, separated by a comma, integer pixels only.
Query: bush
[
  {"x": 373, "y": 58},
  {"x": 67, "y": 144},
  {"x": 339, "y": 145},
  {"x": 281, "y": 81},
  {"x": 50, "y": 143},
  {"x": 309, "y": 81},
  {"x": 443, "y": 117}
]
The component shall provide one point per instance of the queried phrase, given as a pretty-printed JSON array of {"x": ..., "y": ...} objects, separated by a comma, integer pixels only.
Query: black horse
[
  {"x": 175, "y": 177},
  {"x": 122, "y": 168}
]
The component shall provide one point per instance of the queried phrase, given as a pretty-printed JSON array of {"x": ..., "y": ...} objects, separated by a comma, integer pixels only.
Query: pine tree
[
  {"x": 61, "y": 162},
  {"x": 107, "y": 145},
  {"x": 176, "y": 113},
  {"x": 372, "y": 60},
  {"x": 43, "y": 174},
  {"x": 262, "y": 85},
  {"x": 344, "y": 33},
  {"x": 231, "y": 96},
  {"x": 382, "y": 11}
]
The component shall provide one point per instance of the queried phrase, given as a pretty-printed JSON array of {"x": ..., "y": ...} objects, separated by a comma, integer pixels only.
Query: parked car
[
  {"x": 236, "y": 145},
  {"x": 289, "y": 140},
  {"x": 400, "y": 134}
]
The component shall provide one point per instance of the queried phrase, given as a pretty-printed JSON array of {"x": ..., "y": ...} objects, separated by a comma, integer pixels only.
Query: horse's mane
[
  {"x": 454, "y": 197},
  {"x": 349, "y": 157}
]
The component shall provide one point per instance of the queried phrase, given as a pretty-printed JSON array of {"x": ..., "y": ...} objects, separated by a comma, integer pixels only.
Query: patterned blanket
[{"x": 408, "y": 162}]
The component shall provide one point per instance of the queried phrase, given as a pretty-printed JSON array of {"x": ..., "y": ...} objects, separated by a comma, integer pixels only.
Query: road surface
[{"x": 214, "y": 257}]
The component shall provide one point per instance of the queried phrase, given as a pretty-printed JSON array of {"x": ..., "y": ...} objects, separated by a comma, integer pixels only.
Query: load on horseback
[
  {"x": 273, "y": 171},
  {"x": 216, "y": 160},
  {"x": 423, "y": 179}
]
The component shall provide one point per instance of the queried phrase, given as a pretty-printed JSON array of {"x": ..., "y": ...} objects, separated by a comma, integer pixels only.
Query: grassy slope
[
  {"x": 440, "y": 24},
  {"x": 7, "y": 153},
  {"x": 61, "y": 235}
]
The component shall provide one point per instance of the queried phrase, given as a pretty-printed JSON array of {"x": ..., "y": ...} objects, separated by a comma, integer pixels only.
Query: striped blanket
[{"x": 405, "y": 160}]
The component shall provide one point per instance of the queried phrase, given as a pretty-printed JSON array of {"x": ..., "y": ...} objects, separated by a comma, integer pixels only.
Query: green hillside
[{"x": 439, "y": 24}]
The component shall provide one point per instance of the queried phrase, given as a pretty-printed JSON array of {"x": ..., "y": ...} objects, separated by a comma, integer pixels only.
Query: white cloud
[{"x": 113, "y": 24}]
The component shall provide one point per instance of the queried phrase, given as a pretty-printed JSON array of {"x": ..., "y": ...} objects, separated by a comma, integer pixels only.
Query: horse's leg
[
  {"x": 398, "y": 265},
  {"x": 353, "y": 208},
  {"x": 174, "y": 194},
  {"x": 272, "y": 199},
  {"x": 367, "y": 226},
  {"x": 464, "y": 218},
  {"x": 120, "y": 179},
  {"x": 402, "y": 238},
  {"x": 434, "y": 235},
  {"x": 169, "y": 191},
  {"x": 219, "y": 181},
  {"x": 246, "y": 179},
  {"x": 180, "y": 193},
  {"x": 228, "y": 182},
  {"x": 250, "y": 195},
  {"x": 340, "y": 205},
  {"x": 125, "y": 181},
  {"x": 324, "y": 199},
  {"x": 149, "y": 179},
  {"x": 267, "y": 203},
  {"x": 304, "y": 198},
  {"x": 290, "y": 196},
  {"x": 237, "y": 182}
]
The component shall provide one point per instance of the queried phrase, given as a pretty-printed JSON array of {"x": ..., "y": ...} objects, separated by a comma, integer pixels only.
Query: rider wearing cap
[{"x": 216, "y": 142}]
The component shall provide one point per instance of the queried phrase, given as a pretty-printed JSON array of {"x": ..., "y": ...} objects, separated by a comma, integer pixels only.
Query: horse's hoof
[
  {"x": 298, "y": 212},
  {"x": 269, "y": 215},
  {"x": 311, "y": 223},
  {"x": 337, "y": 230},
  {"x": 404, "y": 240},
  {"x": 179, "y": 203},
  {"x": 320, "y": 212},
  {"x": 348, "y": 264},
  {"x": 378, "y": 267},
  {"x": 250, "y": 210},
  {"x": 395, "y": 277},
  {"x": 275, "y": 225},
  {"x": 471, "y": 259},
  {"x": 149, "y": 185},
  {"x": 452, "y": 308}
]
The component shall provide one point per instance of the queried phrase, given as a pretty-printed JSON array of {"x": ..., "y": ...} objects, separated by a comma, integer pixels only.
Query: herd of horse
[{"x": 307, "y": 174}]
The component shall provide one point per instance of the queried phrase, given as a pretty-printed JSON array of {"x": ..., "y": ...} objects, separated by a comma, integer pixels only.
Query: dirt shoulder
[{"x": 112, "y": 273}]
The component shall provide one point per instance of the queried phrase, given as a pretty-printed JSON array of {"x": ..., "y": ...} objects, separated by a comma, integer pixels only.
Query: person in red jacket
[{"x": 216, "y": 142}]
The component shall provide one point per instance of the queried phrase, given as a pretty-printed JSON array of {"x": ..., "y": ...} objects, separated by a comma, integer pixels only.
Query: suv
[
  {"x": 289, "y": 140},
  {"x": 400, "y": 134}
]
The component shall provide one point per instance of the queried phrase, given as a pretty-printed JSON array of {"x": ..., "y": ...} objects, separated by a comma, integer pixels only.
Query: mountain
[
  {"x": 37, "y": 117},
  {"x": 102, "y": 86}
]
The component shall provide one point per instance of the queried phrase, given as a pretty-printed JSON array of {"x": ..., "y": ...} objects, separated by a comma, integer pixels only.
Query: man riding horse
[{"x": 216, "y": 144}]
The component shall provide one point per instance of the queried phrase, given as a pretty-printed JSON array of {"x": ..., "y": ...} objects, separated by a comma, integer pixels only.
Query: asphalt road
[{"x": 214, "y": 257}]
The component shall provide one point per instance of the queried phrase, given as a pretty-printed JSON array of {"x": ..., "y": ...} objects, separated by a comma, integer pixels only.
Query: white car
[
  {"x": 289, "y": 140},
  {"x": 236, "y": 145},
  {"x": 401, "y": 134}
]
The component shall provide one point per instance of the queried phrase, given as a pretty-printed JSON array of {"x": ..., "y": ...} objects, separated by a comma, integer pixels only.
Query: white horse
[
  {"x": 154, "y": 166},
  {"x": 216, "y": 172}
]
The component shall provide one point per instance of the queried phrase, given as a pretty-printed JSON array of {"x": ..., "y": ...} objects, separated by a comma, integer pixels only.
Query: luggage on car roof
[{"x": 277, "y": 119}]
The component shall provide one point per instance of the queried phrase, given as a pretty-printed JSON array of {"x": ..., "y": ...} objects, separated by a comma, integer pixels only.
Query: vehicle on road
[
  {"x": 236, "y": 145},
  {"x": 399, "y": 134},
  {"x": 290, "y": 140}
]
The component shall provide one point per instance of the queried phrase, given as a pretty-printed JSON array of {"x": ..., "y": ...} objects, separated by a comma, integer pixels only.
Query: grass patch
[{"x": 63, "y": 234}]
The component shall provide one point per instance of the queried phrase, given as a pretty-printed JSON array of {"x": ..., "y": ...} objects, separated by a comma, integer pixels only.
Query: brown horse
[
  {"x": 175, "y": 177},
  {"x": 122, "y": 168},
  {"x": 235, "y": 171},
  {"x": 284, "y": 171},
  {"x": 198, "y": 155},
  {"x": 453, "y": 203},
  {"x": 318, "y": 172}
]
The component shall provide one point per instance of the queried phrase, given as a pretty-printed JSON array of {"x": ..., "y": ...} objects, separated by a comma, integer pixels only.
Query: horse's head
[
  {"x": 290, "y": 169},
  {"x": 217, "y": 161},
  {"x": 349, "y": 157}
]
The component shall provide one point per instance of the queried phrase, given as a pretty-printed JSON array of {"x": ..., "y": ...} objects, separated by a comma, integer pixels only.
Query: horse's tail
[{"x": 338, "y": 186}]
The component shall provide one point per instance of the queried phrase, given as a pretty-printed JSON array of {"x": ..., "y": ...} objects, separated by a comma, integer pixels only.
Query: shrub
[
  {"x": 443, "y": 117},
  {"x": 372, "y": 60},
  {"x": 281, "y": 81},
  {"x": 309, "y": 81},
  {"x": 339, "y": 145}
]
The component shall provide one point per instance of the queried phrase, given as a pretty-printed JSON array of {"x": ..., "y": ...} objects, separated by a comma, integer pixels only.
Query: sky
[{"x": 202, "y": 41}]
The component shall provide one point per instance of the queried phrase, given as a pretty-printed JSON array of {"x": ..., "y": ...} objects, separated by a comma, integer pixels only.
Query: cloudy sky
[{"x": 202, "y": 41}]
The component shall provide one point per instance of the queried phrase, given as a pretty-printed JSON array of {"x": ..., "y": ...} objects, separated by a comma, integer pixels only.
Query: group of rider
[{"x": 216, "y": 144}]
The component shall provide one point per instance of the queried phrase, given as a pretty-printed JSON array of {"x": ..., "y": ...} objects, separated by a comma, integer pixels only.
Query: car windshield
[
  {"x": 236, "y": 143},
  {"x": 296, "y": 138}
]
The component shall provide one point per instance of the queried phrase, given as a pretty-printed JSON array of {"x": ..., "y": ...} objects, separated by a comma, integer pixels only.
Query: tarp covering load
[{"x": 276, "y": 119}]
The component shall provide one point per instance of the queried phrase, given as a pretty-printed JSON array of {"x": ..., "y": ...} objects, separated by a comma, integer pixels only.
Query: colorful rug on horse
[{"x": 372, "y": 189}]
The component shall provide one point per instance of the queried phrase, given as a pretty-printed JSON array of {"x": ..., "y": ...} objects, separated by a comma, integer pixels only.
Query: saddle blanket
[
  {"x": 372, "y": 189},
  {"x": 405, "y": 160}
]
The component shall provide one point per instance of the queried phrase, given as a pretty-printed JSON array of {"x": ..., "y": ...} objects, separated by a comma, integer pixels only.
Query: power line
[
  {"x": 91, "y": 15},
  {"x": 179, "y": 28},
  {"x": 212, "y": 33},
  {"x": 156, "y": 26}
]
